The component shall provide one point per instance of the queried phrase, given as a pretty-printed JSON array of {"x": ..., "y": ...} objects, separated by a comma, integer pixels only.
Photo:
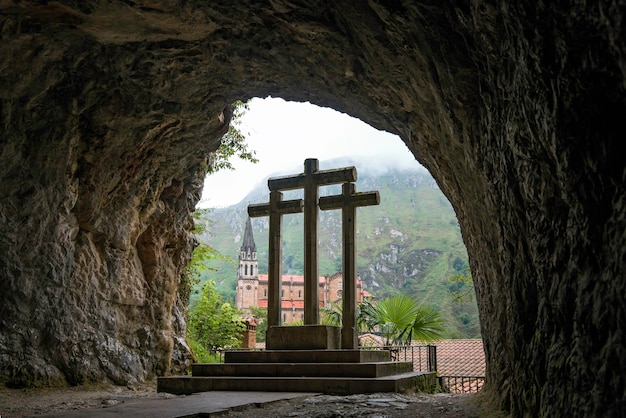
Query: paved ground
[
  {"x": 143, "y": 401},
  {"x": 207, "y": 403}
]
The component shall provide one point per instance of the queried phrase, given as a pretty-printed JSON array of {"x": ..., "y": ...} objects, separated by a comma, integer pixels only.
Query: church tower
[{"x": 247, "y": 271}]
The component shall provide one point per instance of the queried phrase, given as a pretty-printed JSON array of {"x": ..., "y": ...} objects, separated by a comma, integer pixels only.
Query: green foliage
[
  {"x": 331, "y": 315},
  {"x": 233, "y": 143},
  {"x": 212, "y": 323},
  {"x": 400, "y": 319},
  {"x": 200, "y": 257},
  {"x": 203, "y": 258},
  {"x": 461, "y": 284},
  {"x": 459, "y": 265},
  {"x": 201, "y": 354},
  {"x": 427, "y": 325},
  {"x": 197, "y": 270}
]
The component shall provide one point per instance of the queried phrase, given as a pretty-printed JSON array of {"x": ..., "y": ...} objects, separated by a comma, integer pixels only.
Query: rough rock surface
[{"x": 109, "y": 110}]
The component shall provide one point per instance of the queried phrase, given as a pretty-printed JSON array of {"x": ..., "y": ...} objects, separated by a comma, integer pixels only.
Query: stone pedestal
[
  {"x": 339, "y": 372},
  {"x": 306, "y": 337}
]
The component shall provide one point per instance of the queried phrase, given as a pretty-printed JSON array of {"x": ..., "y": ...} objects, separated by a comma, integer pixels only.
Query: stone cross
[
  {"x": 276, "y": 208},
  {"x": 348, "y": 201},
  {"x": 311, "y": 180}
]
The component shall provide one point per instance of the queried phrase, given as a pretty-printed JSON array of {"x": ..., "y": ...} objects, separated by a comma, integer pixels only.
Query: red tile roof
[{"x": 460, "y": 357}]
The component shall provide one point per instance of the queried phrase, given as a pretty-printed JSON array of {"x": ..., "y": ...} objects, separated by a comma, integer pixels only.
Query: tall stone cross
[
  {"x": 348, "y": 201},
  {"x": 276, "y": 208},
  {"x": 311, "y": 180}
]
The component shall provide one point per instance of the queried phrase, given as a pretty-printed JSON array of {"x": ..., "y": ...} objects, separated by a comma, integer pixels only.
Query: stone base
[
  {"x": 185, "y": 385},
  {"x": 305, "y": 337},
  {"x": 341, "y": 372}
]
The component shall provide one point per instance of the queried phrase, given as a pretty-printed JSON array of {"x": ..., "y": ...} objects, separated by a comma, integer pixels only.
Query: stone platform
[
  {"x": 339, "y": 372},
  {"x": 303, "y": 337}
]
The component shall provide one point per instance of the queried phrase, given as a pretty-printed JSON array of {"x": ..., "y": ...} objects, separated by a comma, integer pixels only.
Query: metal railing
[
  {"x": 461, "y": 384},
  {"x": 423, "y": 357}
]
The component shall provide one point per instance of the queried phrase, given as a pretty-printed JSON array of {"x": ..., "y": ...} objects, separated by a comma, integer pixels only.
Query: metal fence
[
  {"x": 461, "y": 384},
  {"x": 461, "y": 365},
  {"x": 423, "y": 357},
  {"x": 455, "y": 363}
]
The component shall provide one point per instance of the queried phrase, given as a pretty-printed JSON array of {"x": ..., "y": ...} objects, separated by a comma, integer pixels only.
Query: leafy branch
[{"x": 233, "y": 143}]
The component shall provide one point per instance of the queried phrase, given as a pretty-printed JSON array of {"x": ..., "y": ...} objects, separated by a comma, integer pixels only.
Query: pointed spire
[{"x": 248, "y": 244}]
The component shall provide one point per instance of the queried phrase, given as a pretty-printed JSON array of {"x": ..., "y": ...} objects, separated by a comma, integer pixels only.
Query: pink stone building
[{"x": 252, "y": 287}]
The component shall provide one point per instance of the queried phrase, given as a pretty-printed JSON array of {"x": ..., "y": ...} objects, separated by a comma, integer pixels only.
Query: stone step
[
  {"x": 307, "y": 356},
  {"x": 181, "y": 385},
  {"x": 377, "y": 369}
]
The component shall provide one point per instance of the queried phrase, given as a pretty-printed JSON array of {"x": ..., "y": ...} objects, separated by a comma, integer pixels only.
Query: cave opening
[{"x": 410, "y": 244}]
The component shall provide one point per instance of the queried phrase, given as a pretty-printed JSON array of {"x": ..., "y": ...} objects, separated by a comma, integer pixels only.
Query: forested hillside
[{"x": 410, "y": 243}]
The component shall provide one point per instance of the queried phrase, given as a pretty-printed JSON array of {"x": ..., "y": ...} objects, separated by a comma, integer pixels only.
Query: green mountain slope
[{"x": 410, "y": 243}]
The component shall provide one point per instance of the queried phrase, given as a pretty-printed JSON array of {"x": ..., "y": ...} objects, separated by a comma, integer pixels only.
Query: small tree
[{"x": 213, "y": 323}]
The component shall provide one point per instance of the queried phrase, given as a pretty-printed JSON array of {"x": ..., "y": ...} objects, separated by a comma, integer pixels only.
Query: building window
[
  {"x": 284, "y": 317},
  {"x": 246, "y": 273},
  {"x": 299, "y": 293},
  {"x": 264, "y": 293},
  {"x": 248, "y": 287},
  {"x": 282, "y": 293},
  {"x": 251, "y": 270}
]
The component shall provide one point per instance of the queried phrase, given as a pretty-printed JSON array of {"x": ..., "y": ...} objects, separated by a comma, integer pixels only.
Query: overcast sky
[{"x": 284, "y": 134}]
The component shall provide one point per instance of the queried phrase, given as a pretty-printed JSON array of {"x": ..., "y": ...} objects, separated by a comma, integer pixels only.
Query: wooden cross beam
[
  {"x": 276, "y": 208},
  {"x": 310, "y": 180},
  {"x": 348, "y": 201}
]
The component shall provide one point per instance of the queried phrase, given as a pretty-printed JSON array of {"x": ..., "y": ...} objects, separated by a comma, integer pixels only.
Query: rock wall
[{"x": 110, "y": 110}]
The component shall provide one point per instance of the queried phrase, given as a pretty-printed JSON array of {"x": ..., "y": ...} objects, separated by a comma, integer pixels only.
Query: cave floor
[{"x": 143, "y": 401}]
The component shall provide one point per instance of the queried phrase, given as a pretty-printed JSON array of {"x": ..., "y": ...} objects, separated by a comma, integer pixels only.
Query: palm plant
[
  {"x": 332, "y": 315},
  {"x": 400, "y": 320}
]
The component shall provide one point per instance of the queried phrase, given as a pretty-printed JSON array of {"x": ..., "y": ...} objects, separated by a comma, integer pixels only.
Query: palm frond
[
  {"x": 400, "y": 319},
  {"x": 331, "y": 316},
  {"x": 428, "y": 325}
]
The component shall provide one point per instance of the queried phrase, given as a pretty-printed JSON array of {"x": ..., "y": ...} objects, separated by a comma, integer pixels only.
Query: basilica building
[{"x": 252, "y": 286}]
